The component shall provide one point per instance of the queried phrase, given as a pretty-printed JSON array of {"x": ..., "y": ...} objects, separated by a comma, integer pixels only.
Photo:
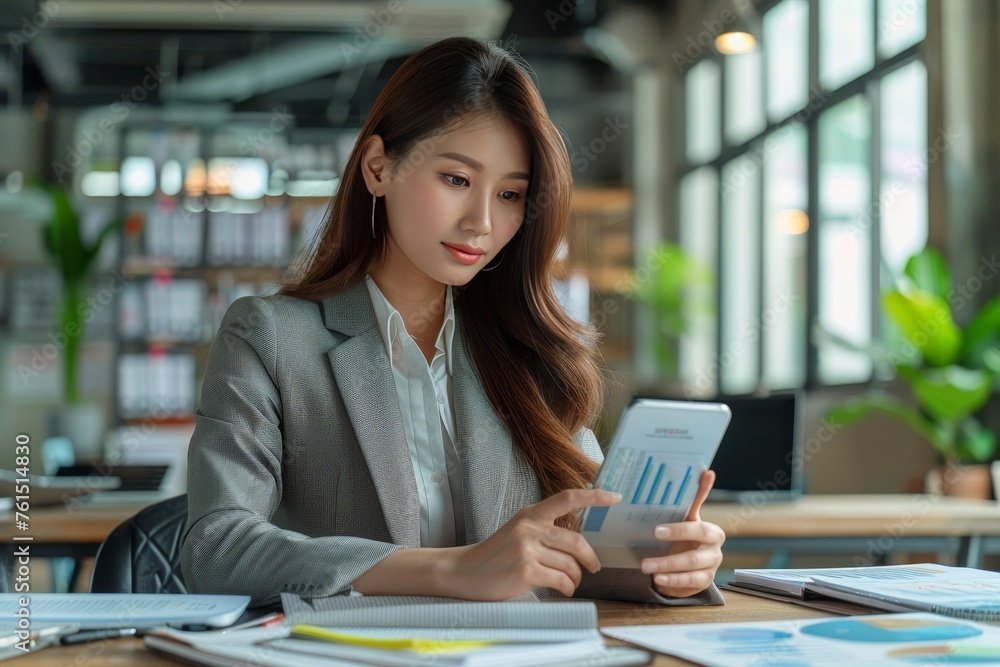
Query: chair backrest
[{"x": 143, "y": 553}]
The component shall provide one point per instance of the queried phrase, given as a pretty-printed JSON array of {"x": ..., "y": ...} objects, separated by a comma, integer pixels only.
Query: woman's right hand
[{"x": 530, "y": 550}]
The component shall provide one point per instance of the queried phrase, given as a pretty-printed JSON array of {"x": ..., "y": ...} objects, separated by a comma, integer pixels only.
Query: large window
[{"x": 805, "y": 188}]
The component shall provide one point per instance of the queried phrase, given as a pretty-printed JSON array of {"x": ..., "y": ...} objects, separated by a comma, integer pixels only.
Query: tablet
[{"x": 655, "y": 461}]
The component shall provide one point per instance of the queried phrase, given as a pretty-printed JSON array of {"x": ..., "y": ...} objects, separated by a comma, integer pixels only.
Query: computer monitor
[{"x": 760, "y": 455}]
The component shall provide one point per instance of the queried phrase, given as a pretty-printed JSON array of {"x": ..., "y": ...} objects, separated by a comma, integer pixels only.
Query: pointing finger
[
  {"x": 569, "y": 500},
  {"x": 704, "y": 486}
]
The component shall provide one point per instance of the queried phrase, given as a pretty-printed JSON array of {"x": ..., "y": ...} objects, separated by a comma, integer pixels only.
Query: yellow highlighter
[{"x": 401, "y": 643}]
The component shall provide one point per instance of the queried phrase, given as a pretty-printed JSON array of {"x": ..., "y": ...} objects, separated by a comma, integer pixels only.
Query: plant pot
[
  {"x": 83, "y": 424},
  {"x": 960, "y": 481}
]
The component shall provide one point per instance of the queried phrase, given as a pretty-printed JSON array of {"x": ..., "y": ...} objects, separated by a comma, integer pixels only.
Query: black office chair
[{"x": 143, "y": 553}]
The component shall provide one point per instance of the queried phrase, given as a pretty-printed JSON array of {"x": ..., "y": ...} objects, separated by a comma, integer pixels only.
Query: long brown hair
[{"x": 535, "y": 361}]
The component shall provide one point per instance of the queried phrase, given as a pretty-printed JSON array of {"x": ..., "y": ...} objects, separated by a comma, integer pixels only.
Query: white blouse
[{"x": 425, "y": 399}]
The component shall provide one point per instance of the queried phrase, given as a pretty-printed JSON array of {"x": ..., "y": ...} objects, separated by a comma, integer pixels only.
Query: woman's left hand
[{"x": 696, "y": 553}]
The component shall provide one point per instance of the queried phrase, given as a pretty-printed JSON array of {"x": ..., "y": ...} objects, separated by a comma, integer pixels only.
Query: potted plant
[
  {"x": 80, "y": 421},
  {"x": 951, "y": 372},
  {"x": 674, "y": 285}
]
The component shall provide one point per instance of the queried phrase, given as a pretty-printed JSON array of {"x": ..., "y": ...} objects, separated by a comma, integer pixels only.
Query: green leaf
[
  {"x": 896, "y": 347},
  {"x": 48, "y": 241},
  {"x": 72, "y": 320},
  {"x": 982, "y": 333},
  {"x": 991, "y": 358},
  {"x": 858, "y": 408},
  {"x": 91, "y": 253},
  {"x": 664, "y": 356},
  {"x": 929, "y": 272},
  {"x": 976, "y": 443},
  {"x": 64, "y": 241},
  {"x": 925, "y": 319},
  {"x": 951, "y": 393}
]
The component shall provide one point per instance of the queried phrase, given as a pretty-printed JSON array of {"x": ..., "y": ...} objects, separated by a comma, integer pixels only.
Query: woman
[{"x": 409, "y": 414}]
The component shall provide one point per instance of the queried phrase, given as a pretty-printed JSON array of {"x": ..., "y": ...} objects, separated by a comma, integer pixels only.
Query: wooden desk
[
  {"x": 68, "y": 524},
  {"x": 62, "y": 531},
  {"x": 738, "y": 607},
  {"x": 866, "y": 526}
]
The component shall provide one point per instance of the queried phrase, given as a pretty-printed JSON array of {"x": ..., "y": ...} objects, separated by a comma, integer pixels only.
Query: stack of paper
[
  {"x": 403, "y": 631},
  {"x": 962, "y": 592}
]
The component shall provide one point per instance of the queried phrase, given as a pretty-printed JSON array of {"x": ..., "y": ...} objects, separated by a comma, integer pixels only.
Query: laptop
[
  {"x": 152, "y": 464},
  {"x": 43, "y": 490},
  {"x": 140, "y": 484},
  {"x": 760, "y": 456}
]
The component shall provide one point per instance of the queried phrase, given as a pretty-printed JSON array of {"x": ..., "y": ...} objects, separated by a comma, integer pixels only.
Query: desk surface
[
  {"x": 68, "y": 524},
  {"x": 738, "y": 607},
  {"x": 856, "y": 515}
]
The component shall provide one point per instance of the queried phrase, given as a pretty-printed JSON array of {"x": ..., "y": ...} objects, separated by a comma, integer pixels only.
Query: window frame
[{"x": 868, "y": 83}]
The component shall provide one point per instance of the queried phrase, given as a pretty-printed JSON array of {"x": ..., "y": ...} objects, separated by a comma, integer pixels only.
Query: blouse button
[
  {"x": 437, "y": 477},
  {"x": 441, "y": 398}
]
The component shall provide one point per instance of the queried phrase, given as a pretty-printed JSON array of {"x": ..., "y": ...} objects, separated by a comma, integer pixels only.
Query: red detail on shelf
[{"x": 133, "y": 224}]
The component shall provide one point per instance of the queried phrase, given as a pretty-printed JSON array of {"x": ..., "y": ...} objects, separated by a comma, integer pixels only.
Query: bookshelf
[
  {"x": 600, "y": 248},
  {"x": 600, "y": 242},
  {"x": 210, "y": 212}
]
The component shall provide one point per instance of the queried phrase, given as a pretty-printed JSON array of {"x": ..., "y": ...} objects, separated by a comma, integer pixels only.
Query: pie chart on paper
[{"x": 891, "y": 630}]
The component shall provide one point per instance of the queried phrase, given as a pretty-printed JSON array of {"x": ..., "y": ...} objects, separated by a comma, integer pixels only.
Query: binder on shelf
[
  {"x": 35, "y": 295},
  {"x": 249, "y": 239},
  {"x": 188, "y": 229},
  {"x": 132, "y": 312},
  {"x": 174, "y": 308},
  {"x": 274, "y": 235},
  {"x": 175, "y": 233},
  {"x": 130, "y": 385},
  {"x": 156, "y": 384},
  {"x": 236, "y": 251}
]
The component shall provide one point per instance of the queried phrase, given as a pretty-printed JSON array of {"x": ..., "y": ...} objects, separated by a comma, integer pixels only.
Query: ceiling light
[{"x": 741, "y": 31}]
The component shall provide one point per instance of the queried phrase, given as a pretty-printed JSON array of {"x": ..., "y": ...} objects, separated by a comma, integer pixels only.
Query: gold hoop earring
[
  {"x": 495, "y": 265},
  {"x": 374, "y": 197}
]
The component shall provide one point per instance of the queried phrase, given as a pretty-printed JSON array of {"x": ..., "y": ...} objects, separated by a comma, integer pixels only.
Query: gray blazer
[{"x": 297, "y": 478}]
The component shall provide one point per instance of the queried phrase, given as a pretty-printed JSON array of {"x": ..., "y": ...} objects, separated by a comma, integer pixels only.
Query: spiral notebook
[{"x": 961, "y": 592}]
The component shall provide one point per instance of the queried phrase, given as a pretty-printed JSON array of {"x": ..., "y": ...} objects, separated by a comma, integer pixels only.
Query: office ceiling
[{"x": 310, "y": 57}]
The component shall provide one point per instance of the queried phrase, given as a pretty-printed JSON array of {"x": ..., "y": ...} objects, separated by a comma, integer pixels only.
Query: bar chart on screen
[
  {"x": 645, "y": 477},
  {"x": 656, "y": 486},
  {"x": 674, "y": 485}
]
